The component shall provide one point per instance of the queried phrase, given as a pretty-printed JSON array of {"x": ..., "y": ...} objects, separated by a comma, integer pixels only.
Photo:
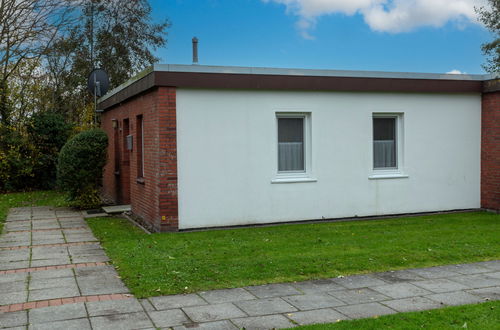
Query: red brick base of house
[
  {"x": 142, "y": 157},
  {"x": 490, "y": 151}
]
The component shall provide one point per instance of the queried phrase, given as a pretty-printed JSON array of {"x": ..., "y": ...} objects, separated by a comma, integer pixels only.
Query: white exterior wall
[{"x": 227, "y": 156}]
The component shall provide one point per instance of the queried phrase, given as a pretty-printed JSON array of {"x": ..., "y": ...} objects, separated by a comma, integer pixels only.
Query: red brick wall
[
  {"x": 490, "y": 151},
  {"x": 154, "y": 198}
]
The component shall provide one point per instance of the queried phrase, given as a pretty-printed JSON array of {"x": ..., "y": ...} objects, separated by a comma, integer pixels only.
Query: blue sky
[{"x": 382, "y": 35}]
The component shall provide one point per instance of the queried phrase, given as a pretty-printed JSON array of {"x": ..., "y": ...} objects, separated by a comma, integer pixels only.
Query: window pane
[
  {"x": 384, "y": 143},
  {"x": 290, "y": 144},
  {"x": 384, "y": 128}
]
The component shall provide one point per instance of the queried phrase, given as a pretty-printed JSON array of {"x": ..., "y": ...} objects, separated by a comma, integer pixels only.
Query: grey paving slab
[
  {"x": 47, "y": 283},
  {"x": 313, "y": 301},
  {"x": 273, "y": 290},
  {"x": 7, "y": 298},
  {"x": 80, "y": 324},
  {"x": 265, "y": 306},
  {"x": 401, "y": 290},
  {"x": 53, "y": 293},
  {"x": 263, "y": 322},
  {"x": 39, "y": 216},
  {"x": 359, "y": 281},
  {"x": 365, "y": 310},
  {"x": 494, "y": 275},
  {"x": 455, "y": 298},
  {"x": 46, "y": 224},
  {"x": 50, "y": 262},
  {"x": 47, "y": 237},
  {"x": 72, "y": 237},
  {"x": 13, "y": 319},
  {"x": 91, "y": 272},
  {"x": 476, "y": 281},
  {"x": 491, "y": 293},
  {"x": 440, "y": 285},
  {"x": 7, "y": 265},
  {"x": 89, "y": 258},
  {"x": 412, "y": 304},
  {"x": 57, "y": 313},
  {"x": 358, "y": 296},
  {"x": 433, "y": 272},
  {"x": 177, "y": 301},
  {"x": 168, "y": 318},
  {"x": 15, "y": 242},
  {"x": 137, "y": 320},
  {"x": 12, "y": 287},
  {"x": 99, "y": 280},
  {"x": 85, "y": 249},
  {"x": 146, "y": 305},
  {"x": 226, "y": 295},
  {"x": 15, "y": 255},
  {"x": 51, "y": 274},
  {"x": 47, "y": 252},
  {"x": 217, "y": 325},
  {"x": 48, "y": 240},
  {"x": 398, "y": 276},
  {"x": 13, "y": 226},
  {"x": 110, "y": 307},
  {"x": 327, "y": 315},
  {"x": 102, "y": 286},
  {"x": 493, "y": 265},
  {"x": 213, "y": 312},
  {"x": 467, "y": 269},
  {"x": 18, "y": 217},
  {"x": 317, "y": 286},
  {"x": 72, "y": 223},
  {"x": 15, "y": 277}
]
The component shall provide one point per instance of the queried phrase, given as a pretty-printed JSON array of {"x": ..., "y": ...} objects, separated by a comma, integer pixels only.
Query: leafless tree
[{"x": 27, "y": 29}]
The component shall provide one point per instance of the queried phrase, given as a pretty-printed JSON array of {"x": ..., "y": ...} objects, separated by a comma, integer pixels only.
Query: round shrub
[{"x": 80, "y": 166}]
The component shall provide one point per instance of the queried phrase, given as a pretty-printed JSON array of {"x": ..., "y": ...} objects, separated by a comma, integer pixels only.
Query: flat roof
[
  {"x": 315, "y": 72},
  {"x": 235, "y": 77}
]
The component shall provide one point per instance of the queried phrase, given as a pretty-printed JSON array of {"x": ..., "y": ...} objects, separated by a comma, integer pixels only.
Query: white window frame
[
  {"x": 295, "y": 176},
  {"x": 398, "y": 171}
]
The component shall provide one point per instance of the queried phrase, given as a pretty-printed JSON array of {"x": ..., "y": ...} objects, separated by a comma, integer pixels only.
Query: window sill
[
  {"x": 141, "y": 181},
  {"x": 378, "y": 176},
  {"x": 293, "y": 180}
]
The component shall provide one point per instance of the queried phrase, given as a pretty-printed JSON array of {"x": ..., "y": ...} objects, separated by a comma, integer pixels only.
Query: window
[
  {"x": 140, "y": 146},
  {"x": 293, "y": 150},
  {"x": 387, "y": 146},
  {"x": 116, "y": 138},
  {"x": 291, "y": 144},
  {"x": 384, "y": 143}
]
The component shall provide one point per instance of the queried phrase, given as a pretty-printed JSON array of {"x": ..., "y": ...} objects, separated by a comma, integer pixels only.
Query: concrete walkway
[{"x": 55, "y": 275}]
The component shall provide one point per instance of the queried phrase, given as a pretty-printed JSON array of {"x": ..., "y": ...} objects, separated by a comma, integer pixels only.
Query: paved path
[{"x": 55, "y": 275}]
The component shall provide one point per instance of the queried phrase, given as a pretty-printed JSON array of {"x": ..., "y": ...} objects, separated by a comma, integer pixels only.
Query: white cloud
[
  {"x": 393, "y": 16},
  {"x": 455, "y": 71}
]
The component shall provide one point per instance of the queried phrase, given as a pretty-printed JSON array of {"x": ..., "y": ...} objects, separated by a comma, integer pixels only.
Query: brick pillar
[
  {"x": 490, "y": 151},
  {"x": 168, "y": 207}
]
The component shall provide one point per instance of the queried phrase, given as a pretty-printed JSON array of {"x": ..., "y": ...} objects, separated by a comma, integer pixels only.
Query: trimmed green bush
[{"x": 80, "y": 166}]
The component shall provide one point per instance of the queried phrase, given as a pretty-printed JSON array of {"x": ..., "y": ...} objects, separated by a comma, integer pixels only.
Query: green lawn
[
  {"x": 479, "y": 316},
  {"x": 172, "y": 263},
  {"x": 35, "y": 198}
]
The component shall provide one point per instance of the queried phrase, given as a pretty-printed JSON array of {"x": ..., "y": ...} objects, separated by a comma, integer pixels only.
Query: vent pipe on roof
[{"x": 195, "y": 50}]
